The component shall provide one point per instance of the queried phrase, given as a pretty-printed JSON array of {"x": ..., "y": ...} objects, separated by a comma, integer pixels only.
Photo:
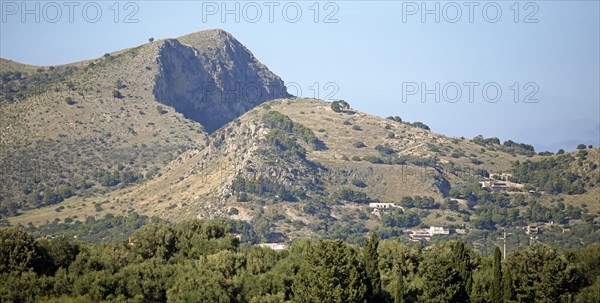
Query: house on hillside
[
  {"x": 532, "y": 230},
  {"x": 495, "y": 185},
  {"x": 418, "y": 235},
  {"x": 273, "y": 246},
  {"x": 438, "y": 230},
  {"x": 426, "y": 234},
  {"x": 379, "y": 207},
  {"x": 383, "y": 206}
]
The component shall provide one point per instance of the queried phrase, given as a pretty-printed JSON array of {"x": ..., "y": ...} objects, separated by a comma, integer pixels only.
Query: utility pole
[{"x": 504, "y": 240}]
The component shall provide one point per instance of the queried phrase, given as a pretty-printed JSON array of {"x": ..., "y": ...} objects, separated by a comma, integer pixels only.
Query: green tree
[
  {"x": 397, "y": 260},
  {"x": 540, "y": 275},
  {"x": 154, "y": 241},
  {"x": 507, "y": 286},
  {"x": 330, "y": 271},
  {"x": 55, "y": 253},
  {"x": 590, "y": 293},
  {"x": 496, "y": 292},
  {"x": 482, "y": 283},
  {"x": 462, "y": 261},
  {"x": 371, "y": 260},
  {"x": 193, "y": 281},
  {"x": 147, "y": 280},
  {"x": 399, "y": 289},
  {"x": 17, "y": 250},
  {"x": 197, "y": 238},
  {"x": 446, "y": 272}
]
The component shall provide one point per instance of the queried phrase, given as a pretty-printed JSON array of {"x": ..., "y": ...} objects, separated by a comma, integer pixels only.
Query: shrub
[
  {"x": 396, "y": 118},
  {"x": 476, "y": 161},
  {"x": 242, "y": 197},
  {"x": 358, "y": 183},
  {"x": 356, "y": 127},
  {"x": 70, "y": 101},
  {"x": 119, "y": 84},
  {"x": 98, "y": 207},
  {"x": 373, "y": 159},
  {"x": 457, "y": 154},
  {"x": 347, "y": 194},
  {"x": 385, "y": 150},
  {"x": 359, "y": 144},
  {"x": 433, "y": 148},
  {"x": 161, "y": 110},
  {"x": 288, "y": 130}
]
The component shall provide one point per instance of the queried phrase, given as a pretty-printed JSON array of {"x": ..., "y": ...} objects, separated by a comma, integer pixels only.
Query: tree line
[{"x": 203, "y": 261}]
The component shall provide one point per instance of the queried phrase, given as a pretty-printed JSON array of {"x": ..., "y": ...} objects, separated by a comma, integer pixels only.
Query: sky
[{"x": 528, "y": 71}]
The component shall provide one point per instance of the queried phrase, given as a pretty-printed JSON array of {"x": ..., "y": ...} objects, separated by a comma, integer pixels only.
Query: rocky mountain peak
[{"x": 211, "y": 78}]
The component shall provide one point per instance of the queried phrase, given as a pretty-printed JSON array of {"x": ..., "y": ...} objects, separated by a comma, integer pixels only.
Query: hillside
[
  {"x": 293, "y": 168},
  {"x": 182, "y": 128},
  {"x": 103, "y": 124}
]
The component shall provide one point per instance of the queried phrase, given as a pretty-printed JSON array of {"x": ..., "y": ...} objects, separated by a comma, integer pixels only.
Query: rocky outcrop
[{"x": 211, "y": 78}]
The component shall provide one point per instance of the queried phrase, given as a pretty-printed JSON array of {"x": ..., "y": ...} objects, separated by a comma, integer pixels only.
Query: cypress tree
[
  {"x": 462, "y": 261},
  {"x": 371, "y": 259},
  {"x": 507, "y": 288},
  {"x": 496, "y": 290}
]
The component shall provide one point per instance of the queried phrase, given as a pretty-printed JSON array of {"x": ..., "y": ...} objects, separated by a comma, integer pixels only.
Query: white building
[
  {"x": 426, "y": 234},
  {"x": 379, "y": 207},
  {"x": 383, "y": 206},
  {"x": 438, "y": 230},
  {"x": 273, "y": 246},
  {"x": 417, "y": 235}
]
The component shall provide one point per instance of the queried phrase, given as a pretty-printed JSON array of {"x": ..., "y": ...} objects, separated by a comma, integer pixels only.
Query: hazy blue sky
[{"x": 375, "y": 54}]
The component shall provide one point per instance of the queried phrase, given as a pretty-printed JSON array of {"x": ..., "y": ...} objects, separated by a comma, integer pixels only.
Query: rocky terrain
[{"x": 211, "y": 78}]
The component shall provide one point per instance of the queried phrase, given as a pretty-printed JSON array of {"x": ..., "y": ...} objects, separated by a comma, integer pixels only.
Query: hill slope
[
  {"x": 102, "y": 124},
  {"x": 170, "y": 129},
  {"x": 293, "y": 168}
]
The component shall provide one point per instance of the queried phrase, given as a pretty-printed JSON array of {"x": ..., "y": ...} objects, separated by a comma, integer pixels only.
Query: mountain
[
  {"x": 101, "y": 124},
  {"x": 212, "y": 78},
  {"x": 171, "y": 129}
]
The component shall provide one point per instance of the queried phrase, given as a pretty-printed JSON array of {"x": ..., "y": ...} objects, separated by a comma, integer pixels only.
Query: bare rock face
[{"x": 211, "y": 78}]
